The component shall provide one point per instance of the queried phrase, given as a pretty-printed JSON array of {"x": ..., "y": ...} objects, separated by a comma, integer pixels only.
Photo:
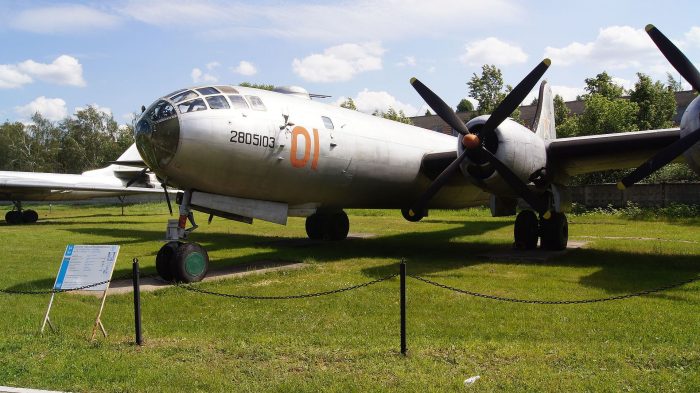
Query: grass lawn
[{"x": 350, "y": 341}]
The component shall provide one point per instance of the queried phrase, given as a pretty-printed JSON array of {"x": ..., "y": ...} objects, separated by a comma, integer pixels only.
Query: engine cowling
[
  {"x": 514, "y": 145},
  {"x": 689, "y": 123}
]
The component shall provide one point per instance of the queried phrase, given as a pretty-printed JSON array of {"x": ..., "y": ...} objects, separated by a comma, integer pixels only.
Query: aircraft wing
[
  {"x": 584, "y": 154},
  {"x": 13, "y": 185}
]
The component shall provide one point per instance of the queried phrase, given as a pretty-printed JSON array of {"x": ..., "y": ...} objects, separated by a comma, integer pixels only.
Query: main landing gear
[
  {"x": 553, "y": 232},
  {"x": 18, "y": 216},
  {"x": 180, "y": 260},
  {"x": 328, "y": 225}
]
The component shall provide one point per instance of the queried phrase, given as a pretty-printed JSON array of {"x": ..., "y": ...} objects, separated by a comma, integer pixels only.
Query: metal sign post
[{"x": 85, "y": 267}]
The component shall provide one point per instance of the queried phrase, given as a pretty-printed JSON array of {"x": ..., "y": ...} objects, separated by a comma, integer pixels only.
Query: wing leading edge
[{"x": 574, "y": 156}]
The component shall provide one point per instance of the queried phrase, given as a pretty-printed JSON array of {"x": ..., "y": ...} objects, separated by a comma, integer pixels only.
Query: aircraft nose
[{"x": 157, "y": 134}]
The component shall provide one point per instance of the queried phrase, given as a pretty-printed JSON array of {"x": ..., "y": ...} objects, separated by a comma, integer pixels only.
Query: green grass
[{"x": 350, "y": 341}]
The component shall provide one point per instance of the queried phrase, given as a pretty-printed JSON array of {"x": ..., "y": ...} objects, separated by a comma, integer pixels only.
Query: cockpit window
[
  {"x": 327, "y": 122},
  {"x": 256, "y": 103},
  {"x": 205, "y": 91},
  {"x": 160, "y": 111},
  {"x": 175, "y": 92},
  {"x": 185, "y": 95},
  {"x": 192, "y": 106},
  {"x": 238, "y": 102},
  {"x": 217, "y": 102},
  {"x": 227, "y": 89}
]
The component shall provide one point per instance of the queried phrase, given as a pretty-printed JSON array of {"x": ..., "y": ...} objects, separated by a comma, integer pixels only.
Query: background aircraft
[
  {"x": 243, "y": 153},
  {"x": 113, "y": 180}
]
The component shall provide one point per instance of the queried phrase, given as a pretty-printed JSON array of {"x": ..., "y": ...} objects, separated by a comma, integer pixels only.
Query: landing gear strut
[
  {"x": 553, "y": 232},
  {"x": 180, "y": 260},
  {"x": 19, "y": 216},
  {"x": 328, "y": 225}
]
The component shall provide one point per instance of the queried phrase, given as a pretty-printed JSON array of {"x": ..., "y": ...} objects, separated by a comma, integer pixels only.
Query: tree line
[{"x": 87, "y": 140}]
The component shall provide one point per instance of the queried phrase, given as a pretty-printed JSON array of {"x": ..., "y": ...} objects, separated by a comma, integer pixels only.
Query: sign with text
[{"x": 84, "y": 265}]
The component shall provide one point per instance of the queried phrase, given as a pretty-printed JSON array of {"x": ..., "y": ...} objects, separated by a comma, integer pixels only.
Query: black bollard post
[
  {"x": 137, "y": 301},
  {"x": 403, "y": 305}
]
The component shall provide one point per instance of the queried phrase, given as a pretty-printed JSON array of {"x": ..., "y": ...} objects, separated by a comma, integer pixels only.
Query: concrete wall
[{"x": 656, "y": 195}]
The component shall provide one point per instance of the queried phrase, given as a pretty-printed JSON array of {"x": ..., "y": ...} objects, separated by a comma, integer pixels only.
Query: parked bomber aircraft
[
  {"x": 113, "y": 180},
  {"x": 242, "y": 153}
]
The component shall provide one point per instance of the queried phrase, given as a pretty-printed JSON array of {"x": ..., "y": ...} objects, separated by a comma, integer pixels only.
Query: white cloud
[
  {"x": 11, "y": 78},
  {"x": 340, "y": 63},
  {"x": 359, "y": 20},
  {"x": 51, "y": 108},
  {"x": 245, "y": 68},
  {"x": 212, "y": 65},
  {"x": 492, "y": 51},
  {"x": 369, "y": 101},
  {"x": 63, "y": 19},
  {"x": 200, "y": 77},
  {"x": 625, "y": 83},
  {"x": 568, "y": 93},
  {"x": 408, "y": 61},
  {"x": 692, "y": 37},
  {"x": 65, "y": 70},
  {"x": 103, "y": 109},
  {"x": 615, "y": 47}
]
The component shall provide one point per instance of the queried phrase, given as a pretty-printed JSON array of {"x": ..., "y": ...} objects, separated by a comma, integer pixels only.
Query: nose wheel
[{"x": 182, "y": 262}]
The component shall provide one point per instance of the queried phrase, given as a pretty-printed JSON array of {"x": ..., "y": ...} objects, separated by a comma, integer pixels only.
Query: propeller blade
[
  {"x": 674, "y": 56},
  {"x": 137, "y": 177},
  {"x": 436, "y": 185},
  {"x": 440, "y": 107},
  {"x": 167, "y": 198},
  {"x": 520, "y": 188},
  {"x": 515, "y": 97},
  {"x": 660, "y": 159}
]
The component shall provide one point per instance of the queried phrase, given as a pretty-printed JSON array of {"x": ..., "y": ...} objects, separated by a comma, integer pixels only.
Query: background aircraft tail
[{"x": 543, "y": 125}]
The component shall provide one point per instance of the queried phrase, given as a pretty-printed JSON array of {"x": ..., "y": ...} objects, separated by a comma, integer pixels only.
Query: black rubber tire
[
  {"x": 414, "y": 217},
  {"x": 554, "y": 232},
  {"x": 30, "y": 216},
  {"x": 337, "y": 226},
  {"x": 526, "y": 230},
  {"x": 165, "y": 261},
  {"x": 314, "y": 226},
  {"x": 13, "y": 217},
  {"x": 191, "y": 263}
]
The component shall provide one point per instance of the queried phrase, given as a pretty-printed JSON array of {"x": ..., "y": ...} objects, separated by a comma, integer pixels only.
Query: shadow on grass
[{"x": 427, "y": 253}]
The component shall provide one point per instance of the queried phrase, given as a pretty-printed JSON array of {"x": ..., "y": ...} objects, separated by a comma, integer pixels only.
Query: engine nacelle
[
  {"x": 515, "y": 146},
  {"x": 689, "y": 123}
]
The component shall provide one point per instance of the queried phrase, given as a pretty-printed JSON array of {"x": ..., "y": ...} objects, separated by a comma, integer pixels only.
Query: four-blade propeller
[
  {"x": 672, "y": 151},
  {"x": 473, "y": 145}
]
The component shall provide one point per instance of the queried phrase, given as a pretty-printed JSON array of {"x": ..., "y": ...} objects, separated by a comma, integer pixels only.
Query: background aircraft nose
[{"x": 157, "y": 134}]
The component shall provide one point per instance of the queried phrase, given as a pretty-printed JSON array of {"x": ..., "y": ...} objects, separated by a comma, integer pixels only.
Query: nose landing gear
[{"x": 180, "y": 260}]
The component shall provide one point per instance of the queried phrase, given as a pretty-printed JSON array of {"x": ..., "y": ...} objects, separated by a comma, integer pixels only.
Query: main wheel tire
[
  {"x": 555, "y": 232},
  {"x": 165, "y": 261},
  {"x": 191, "y": 263},
  {"x": 526, "y": 230},
  {"x": 415, "y": 217},
  {"x": 337, "y": 226},
  {"x": 314, "y": 226},
  {"x": 30, "y": 216},
  {"x": 13, "y": 217}
]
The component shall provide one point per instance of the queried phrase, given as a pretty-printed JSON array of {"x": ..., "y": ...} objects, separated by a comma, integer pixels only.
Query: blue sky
[{"x": 118, "y": 55}]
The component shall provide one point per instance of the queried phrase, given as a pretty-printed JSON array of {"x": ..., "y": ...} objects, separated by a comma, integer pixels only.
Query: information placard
[{"x": 86, "y": 264}]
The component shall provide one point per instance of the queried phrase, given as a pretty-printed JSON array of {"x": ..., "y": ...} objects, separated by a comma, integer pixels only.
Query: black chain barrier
[
  {"x": 582, "y": 301},
  {"x": 52, "y": 291},
  {"x": 189, "y": 287}
]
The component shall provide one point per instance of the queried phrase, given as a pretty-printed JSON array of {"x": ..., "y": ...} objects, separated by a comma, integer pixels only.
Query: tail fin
[{"x": 543, "y": 125}]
